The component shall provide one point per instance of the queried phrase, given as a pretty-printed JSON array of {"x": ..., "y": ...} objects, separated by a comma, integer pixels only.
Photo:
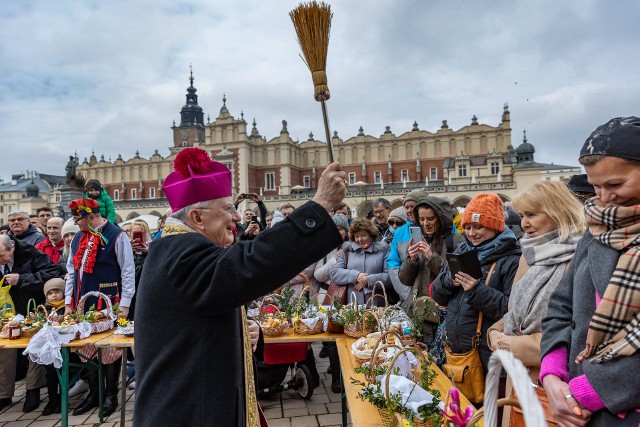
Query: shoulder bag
[
  {"x": 465, "y": 369},
  {"x": 337, "y": 292}
]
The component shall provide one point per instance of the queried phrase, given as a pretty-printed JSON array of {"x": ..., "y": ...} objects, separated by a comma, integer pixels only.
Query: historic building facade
[
  {"x": 459, "y": 163},
  {"x": 29, "y": 191}
]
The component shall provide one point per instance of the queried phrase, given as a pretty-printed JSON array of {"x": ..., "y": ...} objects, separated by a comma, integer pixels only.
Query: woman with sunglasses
[{"x": 397, "y": 218}]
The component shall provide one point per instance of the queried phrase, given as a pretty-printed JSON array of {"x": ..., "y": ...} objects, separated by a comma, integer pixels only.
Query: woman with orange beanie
[{"x": 466, "y": 297}]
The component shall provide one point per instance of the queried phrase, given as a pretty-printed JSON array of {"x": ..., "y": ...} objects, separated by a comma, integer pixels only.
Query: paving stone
[
  {"x": 45, "y": 423},
  {"x": 296, "y": 412},
  {"x": 272, "y": 413},
  {"x": 281, "y": 422},
  {"x": 329, "y": 419},
  {"x": 308, "y": 421},
  {"x": 318, "y": 408},
  {"x": 290, "y": 404}
]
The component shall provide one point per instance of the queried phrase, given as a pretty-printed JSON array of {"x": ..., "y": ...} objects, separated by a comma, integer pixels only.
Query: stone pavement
[{"x": 286, "y": 409}]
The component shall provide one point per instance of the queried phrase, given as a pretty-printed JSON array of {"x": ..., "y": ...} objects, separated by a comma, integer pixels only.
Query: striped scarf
[{"x": 614, "y": 330}]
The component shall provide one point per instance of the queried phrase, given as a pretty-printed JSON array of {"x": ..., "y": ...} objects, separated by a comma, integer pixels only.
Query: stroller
[{"x": 278, "y": 360}]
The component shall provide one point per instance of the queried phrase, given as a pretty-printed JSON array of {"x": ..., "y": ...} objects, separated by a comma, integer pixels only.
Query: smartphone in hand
[
  {"x": 138, "y": 235},
  {"x": 416, "y": 234}
]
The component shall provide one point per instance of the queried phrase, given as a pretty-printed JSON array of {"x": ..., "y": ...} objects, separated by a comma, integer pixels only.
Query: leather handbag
[
  {"x": 337, "y": 292},
  {"x": 516, "y": 418},
  {"x": 465, "y": 369}
]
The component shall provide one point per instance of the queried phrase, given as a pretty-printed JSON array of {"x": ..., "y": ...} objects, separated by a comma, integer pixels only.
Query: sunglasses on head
[{"x": 394, "y": 223}]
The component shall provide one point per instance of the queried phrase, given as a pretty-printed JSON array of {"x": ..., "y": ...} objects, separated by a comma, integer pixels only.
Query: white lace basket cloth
[
  {"x": 527, "y": 398},
  {"x": 101, "y": 325}
]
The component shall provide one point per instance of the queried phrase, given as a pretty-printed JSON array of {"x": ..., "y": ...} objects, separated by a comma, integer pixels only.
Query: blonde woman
[{"x": 553, "y": 222}]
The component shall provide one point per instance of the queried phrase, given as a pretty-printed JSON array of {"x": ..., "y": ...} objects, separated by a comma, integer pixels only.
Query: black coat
[
  {"x": 189, "y": 353},
  {"x": 463, "y": 307},
  {"x": 34, "y": 268}
]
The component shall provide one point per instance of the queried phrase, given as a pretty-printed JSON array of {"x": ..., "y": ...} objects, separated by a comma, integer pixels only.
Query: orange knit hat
[{"x": 485, "y": 209}]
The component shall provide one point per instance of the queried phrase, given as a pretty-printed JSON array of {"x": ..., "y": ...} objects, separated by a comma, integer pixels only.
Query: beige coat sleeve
[{"x": 527, "y": 348}]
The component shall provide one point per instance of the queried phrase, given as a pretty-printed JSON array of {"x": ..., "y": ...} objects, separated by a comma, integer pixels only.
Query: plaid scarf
[{"x": 614, "y": 330}]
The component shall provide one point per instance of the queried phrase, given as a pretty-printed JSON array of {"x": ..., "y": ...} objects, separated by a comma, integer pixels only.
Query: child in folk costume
[
  {"x": 101, "y": 259},
  {"x": 54, "y": 293}
]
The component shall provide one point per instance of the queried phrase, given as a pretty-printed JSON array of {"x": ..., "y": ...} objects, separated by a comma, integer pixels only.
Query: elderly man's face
[
  {"x": 6, "y": 255},
  {"x": 246, "y": 217},
  {"x": 43, "y": 217},
  {"x": 18, "y": 223},
  {"x": 381, "y": 213},
  {"x": 54, "y": 228},
  {"x": 219, "y": 221}
]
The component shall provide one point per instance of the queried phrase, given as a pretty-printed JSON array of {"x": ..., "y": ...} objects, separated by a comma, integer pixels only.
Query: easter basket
[
  {"x": 34, "y": 321},
  {"x": 359, "y": 321},
  {"x": 306, "y": 328},
  {"x": 99, "y": 322},
  {"x": 271, "y": 319},
  {"x": 391, "y": 415},
  {"x": 333, "y": 327}
]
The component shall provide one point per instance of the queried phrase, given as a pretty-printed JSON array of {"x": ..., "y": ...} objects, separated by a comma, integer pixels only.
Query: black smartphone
[
  {"x": 466, "y": 262},
  {"x": 254, "y": 218}
]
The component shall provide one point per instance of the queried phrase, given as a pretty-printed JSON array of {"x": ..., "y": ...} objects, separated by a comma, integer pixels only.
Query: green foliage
[
  {"x": 285, "y": 301},
  {"x": 376, "y": 396},
  {"x": 420, "y": 313}
]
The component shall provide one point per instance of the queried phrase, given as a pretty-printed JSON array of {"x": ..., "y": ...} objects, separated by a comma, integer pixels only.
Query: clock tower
[{"x": 191, "y": 127}]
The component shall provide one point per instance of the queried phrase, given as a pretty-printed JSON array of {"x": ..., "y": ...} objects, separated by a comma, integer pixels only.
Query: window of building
[
  {"x": 404, "y": 175},
  {"x": 58, "y": 197},
  {"x": 134, "y": 194},
  {"x": 1, "y": 209},
  {"x": 116, "y": 195},
  {"x": 352, "y": 178},
  {"x": 270, "y": 181},
  {"x": 152, "y": 193},
  {"x": 495, "y": 168},
  {"x": 377, "y": 177},
  {"x": 306, "y": 181},
  {"x": 433, "y": 173},
  {"x": 462, "y": 170}
]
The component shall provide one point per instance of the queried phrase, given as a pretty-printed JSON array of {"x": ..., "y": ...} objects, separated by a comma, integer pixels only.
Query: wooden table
[
  {"x": 119, "y": 341},
  {"x": 364, "y": 414},
  {"x": 290, "y": 336},
  {"x": 63, "y": 372}
]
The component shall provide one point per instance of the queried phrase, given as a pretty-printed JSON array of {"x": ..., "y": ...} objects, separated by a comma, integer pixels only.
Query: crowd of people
[{"x": 559, "y": 284}]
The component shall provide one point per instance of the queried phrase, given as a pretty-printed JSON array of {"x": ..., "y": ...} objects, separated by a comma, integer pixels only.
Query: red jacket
[{"x": 53, "y": 252}]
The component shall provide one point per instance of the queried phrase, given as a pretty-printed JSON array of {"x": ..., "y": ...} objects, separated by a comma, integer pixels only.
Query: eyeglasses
[
  {"x": 395, "y": 223},
  {"x": 230, "y": 210},
  {"x": 11, "y": 220}
]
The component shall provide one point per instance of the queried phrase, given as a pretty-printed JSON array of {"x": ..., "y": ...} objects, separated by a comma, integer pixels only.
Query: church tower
[{"x": 191, "y": 129}]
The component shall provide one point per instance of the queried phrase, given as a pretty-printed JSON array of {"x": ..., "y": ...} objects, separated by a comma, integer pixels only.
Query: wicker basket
[
  {"x": 333, "y": 327},
  {"x": 377, "y": 357},
  {"x": 272, "y": 331},
  {"x": 29, "y": 331},
  {"x": 416, "y": 374},
  {"x": 379, "y": 310},
  {"x": 101, "y": 325},
  {"x": 359, "y": 327},
  {"x": 527, "y": 398},
  {"x": 298, "y": 326}
]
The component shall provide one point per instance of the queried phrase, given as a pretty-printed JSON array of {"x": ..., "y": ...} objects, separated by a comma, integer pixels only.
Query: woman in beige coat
[{"x": 553, "y": 222}]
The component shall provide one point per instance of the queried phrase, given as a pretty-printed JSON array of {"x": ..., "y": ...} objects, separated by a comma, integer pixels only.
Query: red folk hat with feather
[{"x": 196, "y": 178}]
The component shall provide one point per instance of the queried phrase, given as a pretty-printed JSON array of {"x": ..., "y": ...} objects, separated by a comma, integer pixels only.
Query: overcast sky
[{"x": 111, "y": 76}]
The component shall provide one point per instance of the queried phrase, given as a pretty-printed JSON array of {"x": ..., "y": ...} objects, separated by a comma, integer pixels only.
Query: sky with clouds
[{"x": 111, "y": 76}]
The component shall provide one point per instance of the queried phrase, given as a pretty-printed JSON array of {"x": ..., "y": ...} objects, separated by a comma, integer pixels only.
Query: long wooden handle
[{"x": 327, "y": 132}]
